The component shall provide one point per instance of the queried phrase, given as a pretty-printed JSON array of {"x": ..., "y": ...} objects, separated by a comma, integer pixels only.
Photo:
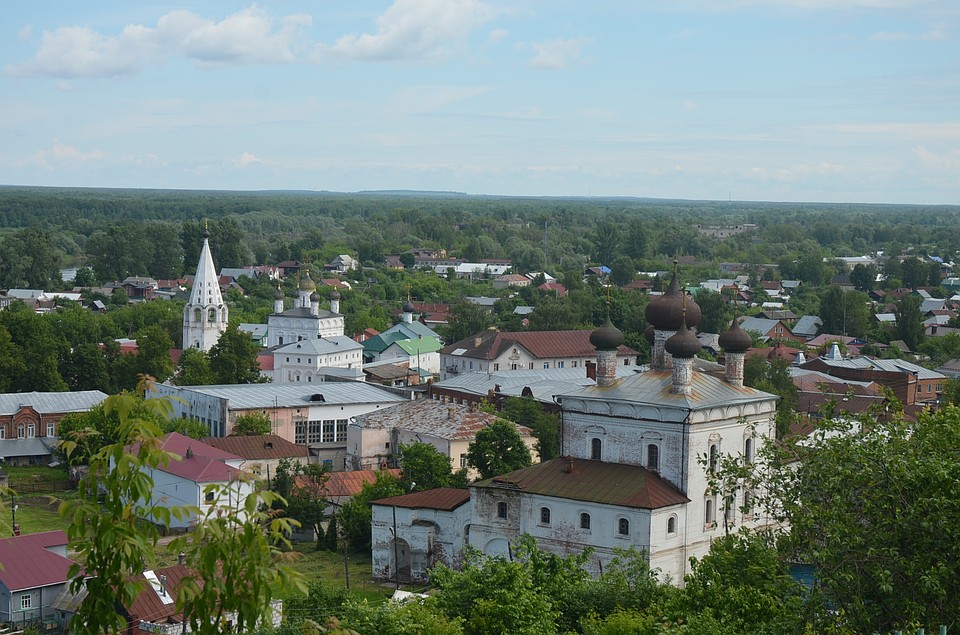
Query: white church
[
  {"x": 637, "y": 454},
  {"x": 205, "y": 316}
]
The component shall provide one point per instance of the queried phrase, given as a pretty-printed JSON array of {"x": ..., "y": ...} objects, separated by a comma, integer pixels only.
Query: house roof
[
  {"x": 890, "y": 365},
  {"x": 258, "y": 446},
  {"x": 28, "y": 562},
  {"x": 149, "y": 607},
  {"x": 320, "y": 346},
  {"x": 51, "y": 402},
  {"x": 760, "y": 325},
  {"x": 441, "y": 498},
  {"x": 454, "y": 422},
  {"x": 341, "y": 484},
  {"x": 543, "y": 384},
  {"x": 199, "y": 462},
  {"x": 592, "y": 481},
  {"x": 419, "y": 345},
  {"x": 280, "y": 395},
  {"x": 492, "y": 344}
]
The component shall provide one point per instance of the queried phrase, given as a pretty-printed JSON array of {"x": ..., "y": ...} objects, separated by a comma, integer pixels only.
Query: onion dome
[
  {"x": 607, "y": 337},
  {"x": 408, "y": 307},
  {"x": 334, "y": 295},
  {"x": 278, "y": 294},
  {"x": 306, "y": 284},
  {"x": 735, "y": 339},
  {"x": 650, "y": 334},
  {"x": 666, "y": 311},
  {"x": 206, "y": 233},
  {"x": 314, "y": 297},
  {"x": 683, "y": 343}
]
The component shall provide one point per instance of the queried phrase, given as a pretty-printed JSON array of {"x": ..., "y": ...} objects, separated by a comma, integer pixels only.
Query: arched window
[
  {"x": 709, "y": 513},
  {"x": 714, "y": 457},
  {"x": 623, "y": 527},
  {"x": 501, "y": 510},
  {"x": 596, "y": 449},
  {"x": 584, "y": 521},
  {"x": 747, "y": 502},
  {"x": 653, "y": 457},
  {"x": 728, "y": 510},
  {"x": 212, "y": 315},
  {"x": 544, "y": 515},
  {"x": 197, "y": 315},
  {"x": 672, "y": 525},
  {"x": 748, "y": 450}
]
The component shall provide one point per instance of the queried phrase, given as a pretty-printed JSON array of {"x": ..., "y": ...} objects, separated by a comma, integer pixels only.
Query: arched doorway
[{"x": 400, "y": 558}]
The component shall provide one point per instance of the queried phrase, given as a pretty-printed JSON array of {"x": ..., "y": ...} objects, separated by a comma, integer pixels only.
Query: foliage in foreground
[{"x": 115, "y": 527}]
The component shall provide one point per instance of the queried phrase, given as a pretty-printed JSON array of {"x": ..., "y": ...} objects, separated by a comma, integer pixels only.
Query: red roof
[
  {"x": 342, "y": 484},
  {"x": 442, "y": 498},
  {"x": 594, "y": 481},
  {"x": 148, "y": 606},
  {"x": 198, "y": 462},
  {"x": 259, "y": 446},
  {"x": 265, "y": 360},
  {"x": 28, "y": 563}
]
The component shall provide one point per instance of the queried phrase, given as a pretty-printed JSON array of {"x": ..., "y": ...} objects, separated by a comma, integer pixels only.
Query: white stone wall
[{"x": 431, "y": 536}]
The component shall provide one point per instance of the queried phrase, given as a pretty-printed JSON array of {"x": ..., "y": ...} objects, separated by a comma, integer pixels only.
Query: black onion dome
[
  {"x": 735, "y": 339},
  {"x": 206, "y": 233},
  {"x": 334, "y": 295},
  {"x": 408, "y": 307},
  {"x": 607, "y": 337},
  {"x": 683, "y": 343},
  {"x": 650, "y": 334},
  {"x": 278, "y": 294},
  {"x": 666, "y": 311},
  {"x": 314, "y": 297}
]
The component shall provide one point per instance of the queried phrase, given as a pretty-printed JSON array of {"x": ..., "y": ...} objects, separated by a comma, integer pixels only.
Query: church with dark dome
[{"x": 636, "y": 451}]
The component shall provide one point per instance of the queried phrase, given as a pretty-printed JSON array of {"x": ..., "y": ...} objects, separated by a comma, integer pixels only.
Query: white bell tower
[{"x": 205, "y": 316}]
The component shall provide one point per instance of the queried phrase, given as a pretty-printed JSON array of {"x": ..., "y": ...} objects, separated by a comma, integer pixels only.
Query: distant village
[{"x": 635, "y": 422}]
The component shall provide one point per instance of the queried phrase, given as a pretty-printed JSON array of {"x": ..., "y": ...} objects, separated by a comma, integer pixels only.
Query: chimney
[
  {"x": 163, "y": 585},
  {"x": 477, "y": 341},
  {"x": 568, "y": 464},
  {"x": 591, "y": 370},
  {"x": 181, "y": 558},
  {"x": 800, "y": 359}
]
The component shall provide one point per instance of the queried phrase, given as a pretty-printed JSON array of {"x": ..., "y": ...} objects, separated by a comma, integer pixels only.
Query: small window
[
  {"x": 714, "y": 457},
  {"x": 31, "y": 431},
  {"x": 623, "y": 527},
  {"x": 596, "y": 449},
  {"x": 209, "y": 497},
  {"x": 748, "y": 502},
  {"x": 584, "y": 521},
  {"x": 709, "y": 514},
  {"x": 3, "y": 432},
  {"x": 559, "y": 364},
  {"x": 463, "y": 460},
  {"x": 653, "y": 457},
  {"x": 546, "y": 365},
  {"x": 748, "y": 451},
  {"x": 672, "y": 525},
  {"x": 26, "y": 601},
  {"x": 544, "y": 515},
  {"x": 728, "y": 511},
  {"x": 501, "y": 510},
  {"x": 51, "y": 430}
]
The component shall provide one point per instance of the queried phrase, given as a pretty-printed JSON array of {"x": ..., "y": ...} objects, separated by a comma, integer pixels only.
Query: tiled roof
[
  {"x": 442, "y": 498},
  {"x": 342, "y": 484},
  {"x": 258, "y": 446},
  {"x": 427, "y": 416},
  {"x": 593, "y": 481},
  {"x": 540, "y": 344},
  {"x": 27, "y": 562}
]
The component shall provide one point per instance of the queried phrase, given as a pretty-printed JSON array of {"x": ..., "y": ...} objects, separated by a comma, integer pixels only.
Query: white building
[
  {"x": 302, "y": 361},
  {"x": 306, "y": 320},
  {"x": 205, "y": 315},
  {"x": 638, "y": 453}
]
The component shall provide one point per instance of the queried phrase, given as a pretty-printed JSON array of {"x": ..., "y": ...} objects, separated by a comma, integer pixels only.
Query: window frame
[
  {"x": 502, "y": 510},
  {"x": 623, "y": 527}
]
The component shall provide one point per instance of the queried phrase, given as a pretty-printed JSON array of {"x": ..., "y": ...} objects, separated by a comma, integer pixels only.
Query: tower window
[
  {"x": 748, "y": 451},
  {"x": 714, "y": 457},
  {"x": 596, "y": 449},
  {"x": 672, "y": 525},
  {"x": 501, "y": 510},
  {"x": 653, "y": 457}
]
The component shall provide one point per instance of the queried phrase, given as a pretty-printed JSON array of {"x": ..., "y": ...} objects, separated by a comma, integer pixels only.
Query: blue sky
[{"x": 777, "y": 100}]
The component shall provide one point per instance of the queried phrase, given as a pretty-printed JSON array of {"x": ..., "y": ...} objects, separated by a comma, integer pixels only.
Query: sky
[{"x": 756, "y": 100}]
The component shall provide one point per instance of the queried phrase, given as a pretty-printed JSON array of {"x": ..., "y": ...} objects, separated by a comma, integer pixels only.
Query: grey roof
[
  {"x": 544, "y": 384},
  {"x": 411, "y": 330},
  {"x": 322, "y": 346},
  {"x": 932, "y": 304},
  {"x": 252, "y": 396},
  {"x": 892, "y": 365},
  {"x": 257, "y": 331},
  {"x": 796, "y": 371},
  {"x": 306, "y": 312},
  {"x": 806, "y": 325},
  {"x": 37, "y": 446},
  {"x": 886, "y": 317},
  {"x": 481, "y": 300},
  {"x": 51, "y": 402},
  {"x": 523, "y": 310},
  {"x": 654, "y": 388},
  {"x": 760, "y": 325}
]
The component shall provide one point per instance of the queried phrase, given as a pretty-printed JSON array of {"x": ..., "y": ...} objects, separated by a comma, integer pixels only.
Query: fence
[{"x": 42, "y": 487}]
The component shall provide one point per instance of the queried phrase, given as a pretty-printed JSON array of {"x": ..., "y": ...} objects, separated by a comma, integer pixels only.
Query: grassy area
[
  {"x": 34, "y": 514},
  {"x": 35, "y": 474}
]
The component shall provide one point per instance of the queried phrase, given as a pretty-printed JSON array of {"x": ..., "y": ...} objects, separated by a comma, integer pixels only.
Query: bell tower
[{"x": 205, "y": 315}]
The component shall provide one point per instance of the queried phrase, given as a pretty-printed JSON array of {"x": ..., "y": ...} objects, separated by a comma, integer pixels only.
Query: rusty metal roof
[
  {"x": 442, "y": 498},
  {"x": 428, "y": 416},
  {"x": 592, "y": 481},
  {"x": 540, "y": 344},
  {"x": 258, "y": 446}
]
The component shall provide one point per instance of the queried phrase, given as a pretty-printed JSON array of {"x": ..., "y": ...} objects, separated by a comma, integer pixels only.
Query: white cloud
[
  {"x": 247, "y": 159},
  {"x": 415, "y": 29},
  {"x": 25, "y": 32},
  {"x": 63, "y": 154},
  {"x": 558, "y": 53},
  {"x": 903, "y": 36},
  {"x": 497, "y": 35},
  {"x": 249, "y": 36}
]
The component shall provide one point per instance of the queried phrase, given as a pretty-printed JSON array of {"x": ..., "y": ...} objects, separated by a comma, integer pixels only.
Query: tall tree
[
  {"x": 153, "y": 353},
  {"x": 233, "y": 359},
  {"x": 251, "y": 424},
  {"x": 546, "y": 426},
  {"x": 425, "y": 467},
  {"x": 914, "y": 273},
  {"x": 356, "y": 516},
  {"x": 464, "y": 320},
  {"x": 716, "y": 315},
  {"x": 194, "y": 369},
  {"x": 909, "y": 321},
  {"x": 498, "y": 449},
  {"x": 863, "y": 276}
]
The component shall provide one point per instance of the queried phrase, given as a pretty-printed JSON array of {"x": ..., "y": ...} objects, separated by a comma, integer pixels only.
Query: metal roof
[
  {"x": 321, "y": 346},
  {"x": 491, "y": 344},
  {"x": 51, "y": 402},
  {"x": 892, "y": 365},
  {"x": 28, "y": 563},
  {"x": 441, "y": 498},
  {"x": 543, "y": 383},
  {"x": 258, "y": 446},
  {"x": 592, "y": 481},
  {"x": 253, "y": 396},
  {"x": 654, "y": 388}
]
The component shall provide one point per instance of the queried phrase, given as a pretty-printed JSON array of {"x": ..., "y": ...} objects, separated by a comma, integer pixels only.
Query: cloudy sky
[{"x": 778, "y": 100}]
